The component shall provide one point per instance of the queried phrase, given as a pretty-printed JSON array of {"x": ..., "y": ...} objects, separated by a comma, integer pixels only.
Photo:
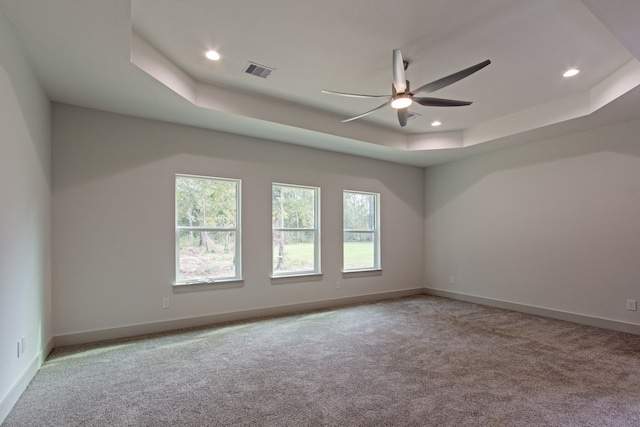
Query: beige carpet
[{"x": 418, "y": 361}]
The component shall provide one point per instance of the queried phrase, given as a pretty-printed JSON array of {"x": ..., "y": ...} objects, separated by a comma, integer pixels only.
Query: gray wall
[
  {"x": 25, "y": 198},
  {"x": 553, "y": 224},
  {"x": 113, "y": 215}
]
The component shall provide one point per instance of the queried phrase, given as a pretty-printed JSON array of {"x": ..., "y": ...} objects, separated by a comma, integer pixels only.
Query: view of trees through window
[
  {"x": 295, "y": 231},
  {"x": 206, "y": 228},
  {"x": 360, "y": 219}
]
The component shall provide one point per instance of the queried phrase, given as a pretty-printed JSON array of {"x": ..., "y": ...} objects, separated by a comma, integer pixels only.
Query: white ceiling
[{"x": 145, "y": 58}]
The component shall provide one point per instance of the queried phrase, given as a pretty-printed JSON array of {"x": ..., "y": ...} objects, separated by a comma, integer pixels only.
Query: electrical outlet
[
  {"x": 165, "y": 302},
  {"x": 21, "y": 345},
  {"x": 632, "y": 305},
  {"x": 452, "y": 280},
  {"x": 338, "y": 284}
]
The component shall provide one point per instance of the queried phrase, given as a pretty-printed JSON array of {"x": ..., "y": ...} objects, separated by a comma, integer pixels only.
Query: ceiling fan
[{"x": 401, "y": 95}]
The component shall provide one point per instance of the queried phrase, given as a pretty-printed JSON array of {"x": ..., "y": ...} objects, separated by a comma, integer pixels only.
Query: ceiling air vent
[
  {"x": 258, "y": 70},
  {"x": 412, "y": 115}
]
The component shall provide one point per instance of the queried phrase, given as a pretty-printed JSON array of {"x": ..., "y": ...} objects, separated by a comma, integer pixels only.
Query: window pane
[
  {"x": 359, "y": 251},
  {"x": 361, "y": 247},
  {"x": 359, "y": 211},
  {"x": 204, "y": 202},
  {"x": 293, "y": 207},
  {"x": 206, "y": 255},
  {"x": 293, "y": 251}
]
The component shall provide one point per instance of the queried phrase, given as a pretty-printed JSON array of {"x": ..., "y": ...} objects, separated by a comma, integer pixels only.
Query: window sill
[
  {"x": 362, "y": 273},
  {"x": 213, "y": 284},
  {"x": 295, "y": 278}
]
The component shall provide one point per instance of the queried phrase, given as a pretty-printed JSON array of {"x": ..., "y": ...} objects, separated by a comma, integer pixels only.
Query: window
[
  {"x": 296, "y": 230},
  {"x": 361, "y": 237},
  {"x": 207, "y": 229}
]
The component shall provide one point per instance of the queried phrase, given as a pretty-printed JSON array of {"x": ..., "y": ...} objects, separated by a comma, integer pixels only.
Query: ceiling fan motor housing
[{"x": 394, "y": 92}]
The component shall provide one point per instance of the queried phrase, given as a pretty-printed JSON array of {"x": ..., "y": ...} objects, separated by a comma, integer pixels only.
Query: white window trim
[
  {"x": 316, "y": 235},
  {"x": 237, "y": 230},
  {"x": 377, "y": 266}
]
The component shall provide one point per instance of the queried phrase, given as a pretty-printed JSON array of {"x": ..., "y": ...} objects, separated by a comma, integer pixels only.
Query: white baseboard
[
  {"x": 170, "y": 325},
  {"x": 614, "y": 325},
  {"x": 14, "y": 393}
]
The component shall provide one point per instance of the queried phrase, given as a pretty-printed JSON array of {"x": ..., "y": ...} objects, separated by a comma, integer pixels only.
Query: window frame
[
  {"x": 377, "y": 262},
  {"x": 316, "y": 233},
  {"x": 237, "y": 230}
]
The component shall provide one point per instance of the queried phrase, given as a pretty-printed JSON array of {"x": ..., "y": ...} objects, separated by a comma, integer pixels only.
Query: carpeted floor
[{"x": 418, "y": 361}]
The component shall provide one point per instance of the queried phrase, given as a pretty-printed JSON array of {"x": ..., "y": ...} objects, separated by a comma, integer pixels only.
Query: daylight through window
[
  {"x": 361, "y": 237},
  {"x": 296, "y": 230},
  {"x": 207, "y": 229}
]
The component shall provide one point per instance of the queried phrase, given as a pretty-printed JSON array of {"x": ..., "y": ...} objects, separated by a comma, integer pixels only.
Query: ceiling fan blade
[
  {"x": 399, "y": 80},
  {"x": 368, "y": 112},
  {"x": 403, "y": 114},
  {"x": 452, "y": 78},
  {"x": 354, "y": 95},
  {"x": 439, "y": 102}
]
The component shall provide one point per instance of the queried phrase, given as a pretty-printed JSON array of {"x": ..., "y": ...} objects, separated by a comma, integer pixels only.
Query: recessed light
[
  {"x": 570, "y": 73},
  {"x": 212, "y": 55},
  {"x": 436, "y": 123}
]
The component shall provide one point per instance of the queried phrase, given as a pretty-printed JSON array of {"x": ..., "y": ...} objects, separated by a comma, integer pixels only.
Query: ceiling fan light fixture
[{"x": 401, "y": 100}]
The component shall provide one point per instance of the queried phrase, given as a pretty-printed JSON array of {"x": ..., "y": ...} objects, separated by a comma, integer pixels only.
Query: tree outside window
[
  {"x": 207, "y": 229},
  {"x": 361, "y": 234},
  {"x": 296, "y": 231}
]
